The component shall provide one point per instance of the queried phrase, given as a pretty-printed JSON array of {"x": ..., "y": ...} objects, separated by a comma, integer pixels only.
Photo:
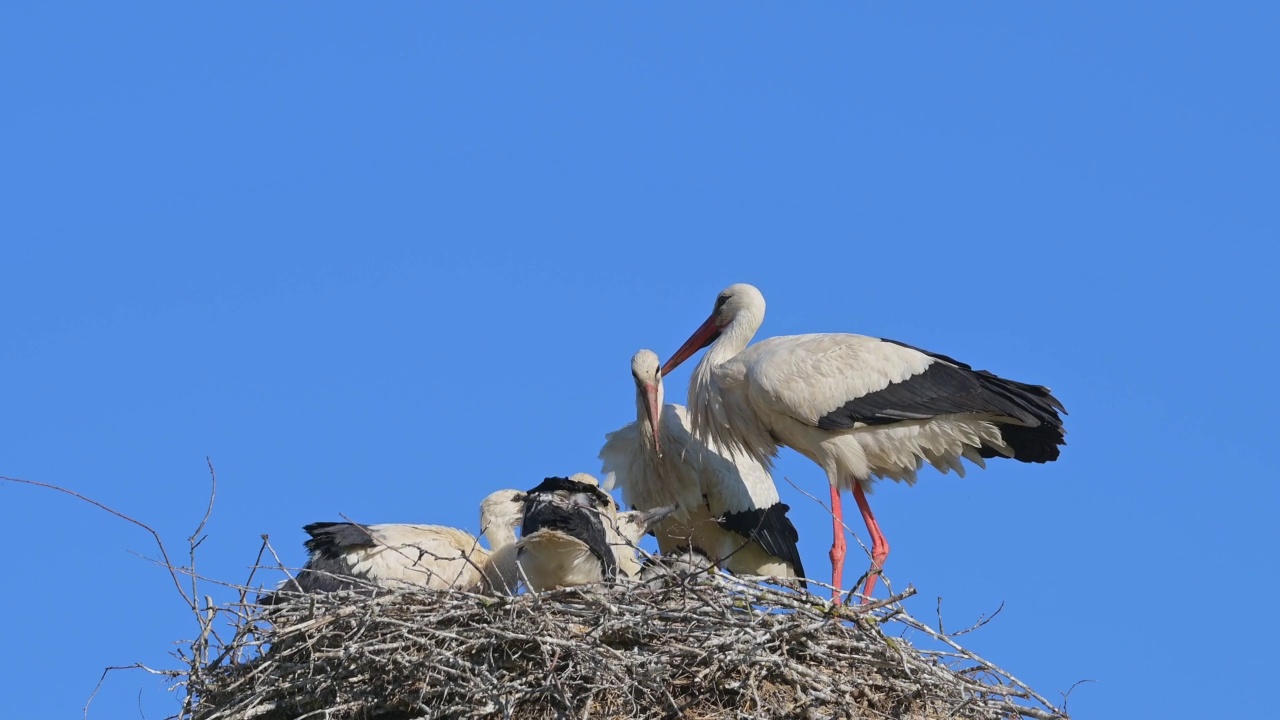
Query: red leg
[
  {"x": 879, "y": 546},
  {"x": 837, "y": 543}
]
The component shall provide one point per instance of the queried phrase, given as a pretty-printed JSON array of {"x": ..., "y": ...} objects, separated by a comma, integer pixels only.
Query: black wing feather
[
  {"x": 329, "y": 538},
  {"x": 772, "y": 529},
  {"x": 948, "y": 387}
]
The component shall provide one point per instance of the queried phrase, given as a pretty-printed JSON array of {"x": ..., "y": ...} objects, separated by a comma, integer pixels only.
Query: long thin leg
[
  {"x": 837, "y": 543},
  {"x": 879, "y": 546}
]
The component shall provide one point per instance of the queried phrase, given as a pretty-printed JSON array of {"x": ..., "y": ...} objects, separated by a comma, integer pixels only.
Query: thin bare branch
[
  {"x": 135, "y": 666},
  {"x": 253, "y": 569},
  {"x": 827, "y": 507},
  {"x": 195, "y": 538},
  {"x": 983, "y": 619},
  {"x": 159, "y": 543},
  {"x": 1067, "y": 695}
]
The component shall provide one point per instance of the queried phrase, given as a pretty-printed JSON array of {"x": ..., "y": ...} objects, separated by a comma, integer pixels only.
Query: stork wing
[
  {"x": 837, "y": 382},
  {"x": 771, "y": 528},
  {"x": 334, "y": 537}
]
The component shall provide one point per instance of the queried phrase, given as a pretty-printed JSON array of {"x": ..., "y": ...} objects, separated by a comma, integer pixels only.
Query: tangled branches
[{"x": 710, "y": 647}]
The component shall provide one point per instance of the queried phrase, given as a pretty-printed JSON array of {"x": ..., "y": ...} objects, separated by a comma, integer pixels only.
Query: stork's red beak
[
  {"x": 706, "y": 334},
  {"x": 654, "y": 410}
]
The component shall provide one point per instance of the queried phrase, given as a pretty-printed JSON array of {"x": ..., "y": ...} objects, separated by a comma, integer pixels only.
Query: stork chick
[
  {"x": 570, "y": 537},
  {"x": 394, "y": 556}
]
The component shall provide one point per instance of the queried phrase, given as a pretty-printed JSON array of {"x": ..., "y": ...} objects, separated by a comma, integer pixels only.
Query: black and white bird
[
  {"x": 394, "y": 556},
  {"x": 572, "y": 535},
  {"x": 860, "y": 407},
  {"x": 728, "y": 505},
  {"x": 563, "y": 538}
]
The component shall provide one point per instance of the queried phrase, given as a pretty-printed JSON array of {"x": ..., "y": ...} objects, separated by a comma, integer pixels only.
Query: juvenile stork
[
  {"x": 394, "y": 556},
  {"x": 860, "y": 407},
  {"x": 500, "y": 516},
  {"x": 728, "y": 507},
  {"x": 571, "y": 535}
]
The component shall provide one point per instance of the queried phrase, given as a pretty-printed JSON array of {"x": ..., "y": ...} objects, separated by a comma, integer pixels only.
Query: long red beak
[
  {"x": 655, "y": 412},
  {"x": 706, "y": 334}
]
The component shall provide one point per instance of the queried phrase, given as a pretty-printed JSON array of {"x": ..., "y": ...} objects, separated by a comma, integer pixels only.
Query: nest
[{"x": 704, "y": 647}]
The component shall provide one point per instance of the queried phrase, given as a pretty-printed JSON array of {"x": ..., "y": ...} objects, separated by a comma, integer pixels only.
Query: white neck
[
  {"x": 735, "y": 337},
  {"x": 499, "y": 534},
  {"x": 718, "y": 415}
]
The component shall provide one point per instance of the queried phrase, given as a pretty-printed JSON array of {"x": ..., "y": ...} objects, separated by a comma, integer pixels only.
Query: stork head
[
  {"x": 579, "y": 489},
  {"x": 504, "y": 508},
  {"x": 595, "y": 496},
  {"x": 585, "y": 479},
  {"x": 645, "y": 371},
  {"x": 634, "y": 524},
  {"x": 735, "y": 300}
]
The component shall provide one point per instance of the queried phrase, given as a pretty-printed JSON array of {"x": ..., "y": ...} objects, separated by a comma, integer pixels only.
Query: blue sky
[{"x": 381, "y": 260}]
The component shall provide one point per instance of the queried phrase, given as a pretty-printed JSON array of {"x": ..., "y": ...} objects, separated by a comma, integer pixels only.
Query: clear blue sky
[{"x": 381, "y": 260}]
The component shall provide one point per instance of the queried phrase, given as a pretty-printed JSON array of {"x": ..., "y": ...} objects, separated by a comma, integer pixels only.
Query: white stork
[
  {"x": 571, "y": 536},
  {"x": 392, "y": 555},
  {"x": 728, "y": 506},
  {"x": 860, "y": 407}
]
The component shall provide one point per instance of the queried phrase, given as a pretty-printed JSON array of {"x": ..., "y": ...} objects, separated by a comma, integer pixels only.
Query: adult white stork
[
  {"x": 392, "y": 555},
  {"x": 860, "y": 407},
  {"x": 570, "y": 536},
  {"x": 728, "y": 506}
]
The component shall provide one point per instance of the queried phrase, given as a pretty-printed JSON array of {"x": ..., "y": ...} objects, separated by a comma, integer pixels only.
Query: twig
[
  {"x": 831, "y": 512},
  {"x": 983, "y": 619},
  {"x": 135, "y": 666},
  {"x": 194, "y": 540},
  {"x": 163, "y": 553},
  {"x": 1067, "y": 695},
  {"x": 292, "y": 582},
  {"x": 253, "y": 569}
]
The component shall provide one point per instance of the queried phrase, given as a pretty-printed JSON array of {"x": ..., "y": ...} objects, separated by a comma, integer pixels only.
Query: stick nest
[{"x": 707, "y": 647}]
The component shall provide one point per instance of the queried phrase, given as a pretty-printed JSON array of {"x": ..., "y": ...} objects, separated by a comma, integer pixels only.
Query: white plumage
[
  {"x": 395, "y": 556},
  {"x": 860, "y": 407},
  {"x": 552, "y": 559},
  {"x": 724, "y": 497}
]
